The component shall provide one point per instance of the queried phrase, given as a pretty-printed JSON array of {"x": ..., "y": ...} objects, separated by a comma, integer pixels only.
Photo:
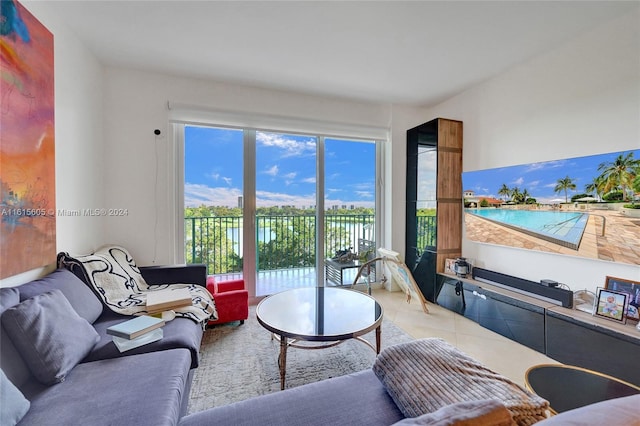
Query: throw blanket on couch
[
  {"x": 116, "y": 279},
  {"x": 425, "y": 375}
]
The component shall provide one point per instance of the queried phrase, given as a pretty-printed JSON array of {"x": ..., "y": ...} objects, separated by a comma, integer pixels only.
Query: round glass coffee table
[
  {"x": 567, "y": 387},
  {"x": 327, "y": 315}
]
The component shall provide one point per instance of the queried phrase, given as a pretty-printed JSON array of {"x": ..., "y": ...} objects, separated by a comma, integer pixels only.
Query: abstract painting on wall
[
  {"x": 27, "y": 142},
  {"x": 581, "y": 206}
]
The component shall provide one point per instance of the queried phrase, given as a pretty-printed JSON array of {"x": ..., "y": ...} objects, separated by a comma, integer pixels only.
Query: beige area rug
[{"x": 238, "y": 362}]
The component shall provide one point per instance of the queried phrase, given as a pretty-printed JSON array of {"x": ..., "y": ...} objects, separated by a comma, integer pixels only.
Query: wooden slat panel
[
  {"x": 449, "y": 133},
  {"x": 449, "y": 226},
  {"x": 449, "y": 191},
  {"x": 449, "y": 175}
]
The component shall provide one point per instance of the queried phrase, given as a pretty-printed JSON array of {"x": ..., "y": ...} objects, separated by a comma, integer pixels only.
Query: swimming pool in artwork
[{"x": 564, "y": 228}]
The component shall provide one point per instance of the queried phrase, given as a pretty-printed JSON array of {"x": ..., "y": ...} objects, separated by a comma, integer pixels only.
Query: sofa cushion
[
  {"x": 81, "y": 297},
  {"x": 144, "y": 389},
  {"x": 177, "y": 333},
  {"x": 14, "y": 404},
  {"x": 355, "y": 399},
  {"x": 487, "y": 412},
  {"x": 425, "y": 375},
  {"x": 50, "y": 336}
]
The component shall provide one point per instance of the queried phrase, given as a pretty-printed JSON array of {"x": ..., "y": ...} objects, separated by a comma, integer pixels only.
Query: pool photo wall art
[
  {"x": 27, "y": 142},
  {"x": 573, "y": 206}
]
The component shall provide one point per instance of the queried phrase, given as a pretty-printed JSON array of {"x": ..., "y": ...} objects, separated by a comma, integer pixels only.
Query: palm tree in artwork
[
  {"x": 564, "y": 185},
  {"x": 516, "y": 195},
  {"x": 596, "y": 186},
  {"x": 504, "y": 191},
  {"x": 620, "y": 173}
]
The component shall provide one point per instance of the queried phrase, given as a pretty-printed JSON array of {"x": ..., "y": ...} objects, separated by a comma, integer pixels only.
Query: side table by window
[{"x": 334, "y": 270}]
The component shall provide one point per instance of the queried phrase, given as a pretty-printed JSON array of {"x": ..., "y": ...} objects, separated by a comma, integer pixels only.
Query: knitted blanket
[
  {"x": 116, "y": 279},
  {"x": 424, "y": 375}
]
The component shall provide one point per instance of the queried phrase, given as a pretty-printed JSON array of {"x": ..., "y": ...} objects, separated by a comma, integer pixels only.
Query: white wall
[
  {"x": 582, "y": 98},
  {"x": 79, "y": 140},
  {"x": 136, "y": 104}
]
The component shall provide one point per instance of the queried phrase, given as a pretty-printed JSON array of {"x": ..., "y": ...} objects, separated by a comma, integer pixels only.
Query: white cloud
[
  {"x": 364, "y": 194},
  {"x": 196, "y": 195},
  {"x": 289, "y": 147},
  {"x": 544, "y": 166},
  {"x": 273, "y": 171}
]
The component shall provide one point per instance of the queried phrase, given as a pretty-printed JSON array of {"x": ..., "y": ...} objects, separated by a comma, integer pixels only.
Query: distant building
[{"x": 472, "y": 200}]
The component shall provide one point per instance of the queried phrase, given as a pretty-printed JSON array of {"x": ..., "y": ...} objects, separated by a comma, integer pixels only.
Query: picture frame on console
[
  {"x": 632, "y": 288},
  {"x": 611, "y": 305}
]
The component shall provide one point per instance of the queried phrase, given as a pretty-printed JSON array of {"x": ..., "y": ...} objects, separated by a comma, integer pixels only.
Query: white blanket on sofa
[{"x": 115, "y": 277}]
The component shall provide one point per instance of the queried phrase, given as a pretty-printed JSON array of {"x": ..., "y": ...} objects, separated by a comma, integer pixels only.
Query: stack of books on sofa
[
  {"x": 136, "y": 332},
  {"x": 168, "y": 299}
]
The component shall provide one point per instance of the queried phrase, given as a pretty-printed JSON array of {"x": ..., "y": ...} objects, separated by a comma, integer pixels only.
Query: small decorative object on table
[
  {"x": 462, "y": 267},
  {"x": 345, "y": 256},
  {"x": 632, "y": 289},
  {"x": 611, "y": 305},
  {"x": 448, "y": 266},
  {"x": 583, "y": 300}
]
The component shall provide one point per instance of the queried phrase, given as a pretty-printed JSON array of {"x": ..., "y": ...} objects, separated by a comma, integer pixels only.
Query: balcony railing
[
  {"x": 426, "y": 226},
  {"x": 284, "y": 242}
]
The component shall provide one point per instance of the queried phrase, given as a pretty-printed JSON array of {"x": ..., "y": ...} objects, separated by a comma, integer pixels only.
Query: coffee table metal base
[{"x": 286, "y": 342}]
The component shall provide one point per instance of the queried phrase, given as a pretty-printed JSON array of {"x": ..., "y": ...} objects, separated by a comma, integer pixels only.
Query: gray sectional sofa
[
  {"x": 59, "y": 367},
  {"x": 55, "y": 351},
  {"x": 423, "y": 382}
]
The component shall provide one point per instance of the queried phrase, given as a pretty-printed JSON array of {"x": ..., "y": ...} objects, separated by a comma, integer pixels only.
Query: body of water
[{"x": 564, "y": 228}]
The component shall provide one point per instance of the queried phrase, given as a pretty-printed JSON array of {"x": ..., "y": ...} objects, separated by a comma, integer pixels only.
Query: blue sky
[
  {"x": 285, "y": 169},
  {"x": 539, "y": 179}
]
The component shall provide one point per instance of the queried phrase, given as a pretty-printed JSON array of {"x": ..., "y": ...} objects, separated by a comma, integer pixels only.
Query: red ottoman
[{"x": 232, "y": 300}]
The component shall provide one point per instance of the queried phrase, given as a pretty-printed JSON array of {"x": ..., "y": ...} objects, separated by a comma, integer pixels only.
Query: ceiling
[{"x": 414, "y": 53}]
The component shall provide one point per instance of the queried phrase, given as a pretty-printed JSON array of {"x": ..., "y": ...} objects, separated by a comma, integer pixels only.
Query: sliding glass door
[
  {"x": 285, "y": 176},
  {"x": 349, "y": 199},
  {"x": 213, "y": 199},
  {"x": 272, "y": 206}
]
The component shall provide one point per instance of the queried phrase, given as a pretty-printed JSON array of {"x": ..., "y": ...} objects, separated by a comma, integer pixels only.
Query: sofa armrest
[
  {"x": 223, "y": 286},
  {"x": 173, "y": 274},
  {"x": 232, "y": 285}
]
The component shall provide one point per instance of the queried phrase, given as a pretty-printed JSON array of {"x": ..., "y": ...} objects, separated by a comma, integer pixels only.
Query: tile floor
[{"x": 493, "y": 350}]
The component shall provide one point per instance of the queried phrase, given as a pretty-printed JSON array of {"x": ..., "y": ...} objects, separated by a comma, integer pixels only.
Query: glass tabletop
[
  {"x": 319, "y": 313},
  {"x": 567, "y": 387}
]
